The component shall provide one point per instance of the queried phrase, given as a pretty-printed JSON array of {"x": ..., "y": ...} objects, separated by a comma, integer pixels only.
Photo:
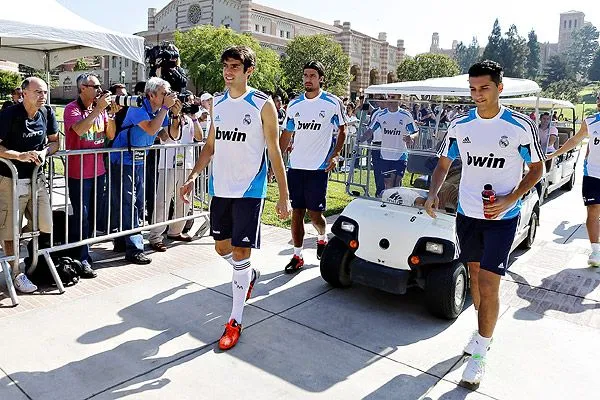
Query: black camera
[{"x": 165, "y": 56}]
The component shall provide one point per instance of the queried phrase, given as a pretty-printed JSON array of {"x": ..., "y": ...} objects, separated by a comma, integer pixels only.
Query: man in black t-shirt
[{"x": 28, "y": 133}]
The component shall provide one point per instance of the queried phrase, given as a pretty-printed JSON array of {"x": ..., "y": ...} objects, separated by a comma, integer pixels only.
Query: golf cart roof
[
  {"x": 530, "y": 102},
  {"x": 451, "y": 86}
]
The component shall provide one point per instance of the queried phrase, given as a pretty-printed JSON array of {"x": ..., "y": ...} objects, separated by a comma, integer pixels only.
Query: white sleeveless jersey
[
  {"x": 591, "y": 165},
  {"x": 239, "y": 165},
  {"x": 313, "y": 122},
  {"x": 492, "y": 151},
  {"x": 394, "y": 127}
]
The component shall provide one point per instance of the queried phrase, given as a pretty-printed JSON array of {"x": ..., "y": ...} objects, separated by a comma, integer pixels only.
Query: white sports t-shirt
[
  {"x": 394, "y": 127},
  {"x": 377, "y": 132},
  {"x": 492, "y": 151},
  {"x": 239, "y": 165},
  {"x": 591, "y": 165},
  {"x": 178, "y": 156},
  {"x": 312, "y": 121}
]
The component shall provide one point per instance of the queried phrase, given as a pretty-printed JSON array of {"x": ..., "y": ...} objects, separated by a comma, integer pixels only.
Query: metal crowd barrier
[{"x": 198, "y": 207}]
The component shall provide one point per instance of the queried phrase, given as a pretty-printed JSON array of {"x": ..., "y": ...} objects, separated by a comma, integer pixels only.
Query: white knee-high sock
[
  {"x": 228, "y": 258},
  {"x": 242, "y": 274}
]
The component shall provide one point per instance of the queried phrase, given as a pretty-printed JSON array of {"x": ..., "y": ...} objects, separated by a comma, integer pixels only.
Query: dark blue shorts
[
  {"x": 486, "y": 241},
  {"x": 590, "y": 189},
  {"x": 236, "y": 219},
  {"x": 389, "y": 167},
  {"x": 308, "y": 188}
]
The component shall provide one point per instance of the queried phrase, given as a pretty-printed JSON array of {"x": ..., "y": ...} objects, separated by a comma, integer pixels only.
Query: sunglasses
[{"x": 94, "y": 86}]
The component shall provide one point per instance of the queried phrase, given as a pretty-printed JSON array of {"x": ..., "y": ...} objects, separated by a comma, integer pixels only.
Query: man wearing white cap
[{"x": 203, "y": 115}]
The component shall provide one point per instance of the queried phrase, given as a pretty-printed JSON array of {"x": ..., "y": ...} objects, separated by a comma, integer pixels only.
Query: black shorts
[
  {"x": 308, "y": 188},
  {"x": 389, "y": 167},
  {"x": 486, "y": 241},
  {"x": 236, "y": 219},
  {"x": 590, "y": 189}
]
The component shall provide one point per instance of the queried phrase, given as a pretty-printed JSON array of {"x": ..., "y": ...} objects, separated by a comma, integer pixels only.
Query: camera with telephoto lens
[
  {"x": 127, "y": 101},
  {"x": 165, "y": 56},
  {"x": 188, "y": 107}
]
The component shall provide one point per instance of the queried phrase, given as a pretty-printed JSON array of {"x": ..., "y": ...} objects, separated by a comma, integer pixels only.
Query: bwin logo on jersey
[
  {"x": 504, "y": 142},
  {"x": 485, "y": 161},
  {"x": 393, "y": 132},
  {"x": 233, "y": 135},
  {"x": 309, "y": 126},
  {"x": 247, "y": 120},
  {"x": 322, "y": 114},
  {"x": 596, "y": 141}
]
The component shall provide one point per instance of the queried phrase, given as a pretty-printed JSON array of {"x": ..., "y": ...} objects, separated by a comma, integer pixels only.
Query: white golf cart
[
  {"x": 559, "y": 172},
  {"x": 391, "y": 244}
]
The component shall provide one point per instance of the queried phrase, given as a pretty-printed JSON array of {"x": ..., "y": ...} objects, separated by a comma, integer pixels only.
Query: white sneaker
[
  {"x": 594, "y": 260},
  {"x": 24, "y": 285},
  {"x": 474, "y": 370},
  {"x": 470, "y": 347}
]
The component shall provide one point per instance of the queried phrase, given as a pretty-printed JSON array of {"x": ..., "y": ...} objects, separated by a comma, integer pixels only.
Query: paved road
[{"x": 150, "y": 332}]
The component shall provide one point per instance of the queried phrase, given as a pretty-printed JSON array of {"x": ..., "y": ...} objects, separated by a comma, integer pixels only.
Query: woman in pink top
[{"x": 87, "y": 124}]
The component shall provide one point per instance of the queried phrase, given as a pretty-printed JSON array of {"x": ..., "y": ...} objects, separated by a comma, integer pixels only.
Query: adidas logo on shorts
[{"x": 246, "y": 239}]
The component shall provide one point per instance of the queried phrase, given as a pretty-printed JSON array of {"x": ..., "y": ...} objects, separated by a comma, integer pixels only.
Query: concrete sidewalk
[{"x": 150, "y": 332}]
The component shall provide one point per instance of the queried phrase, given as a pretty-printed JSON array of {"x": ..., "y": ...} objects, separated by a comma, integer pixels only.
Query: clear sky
[{"x": 413, "y": 21}]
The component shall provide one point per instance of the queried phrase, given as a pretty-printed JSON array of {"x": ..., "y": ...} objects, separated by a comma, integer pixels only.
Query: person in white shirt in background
[
  {"x": 204, "y": 117},
  {"x": 548, "y": 133},
  {"x": 173, "y": 169}
]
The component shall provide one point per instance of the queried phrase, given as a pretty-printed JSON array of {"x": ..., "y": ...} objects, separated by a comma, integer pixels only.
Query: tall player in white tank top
[
  {"x": 591, "y": 177},
  {"x": 244, "y": 122}
]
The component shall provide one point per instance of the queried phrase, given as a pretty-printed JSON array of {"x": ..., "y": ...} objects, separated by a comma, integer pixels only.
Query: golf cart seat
[{"x": 421, "y": 164}]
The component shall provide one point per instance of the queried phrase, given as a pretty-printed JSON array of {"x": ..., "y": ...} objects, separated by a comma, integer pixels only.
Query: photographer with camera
[
  {"x": 140, "y": 128},
  {"x": 173, "y": 169},
  {"x": 87, "y": 125}
]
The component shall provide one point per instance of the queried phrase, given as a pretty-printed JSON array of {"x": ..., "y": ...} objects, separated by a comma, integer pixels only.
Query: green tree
[
  {"x": 320, "y": 48},
  {"x": 8, "y": 81},
  {"x": 80, "y": 65},
  {"x": 594, "y": 71},
  {"x": 493, "y": 49},
  {"x": 513, "y": 53},
  {"x": 425, "y": 66},
  {"x": 556, "y": 70},
  {"x": 466, "y": 56},
  {"x": 200, "y": 50},
  {"x": 532, "y": 65},
  {"x": 566, "y": 89},
  {"x": 581, "y": 52}
]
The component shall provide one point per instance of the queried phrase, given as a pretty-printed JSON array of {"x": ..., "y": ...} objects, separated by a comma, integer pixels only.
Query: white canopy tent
[
  {"x": 530, "y": 102},
  {"x": 43, "y": 34},
  {"x": 451, "y": 86}
]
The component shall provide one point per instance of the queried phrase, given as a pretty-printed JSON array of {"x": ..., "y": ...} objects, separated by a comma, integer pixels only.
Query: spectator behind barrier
[
  {"x": 16, "y": 97},
  {"x": 87, "y": 125},
  {"x": 28, "y": 133},
  {"x": 140, "y": 128}
]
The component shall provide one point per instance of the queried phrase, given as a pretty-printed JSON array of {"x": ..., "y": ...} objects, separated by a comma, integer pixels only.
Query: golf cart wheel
[
  {"x": 446, "y": 290},
  {"x": 335, "y": 263},
  {"x": 569, "y": 185},
  {"x": 531, "y": 231}
]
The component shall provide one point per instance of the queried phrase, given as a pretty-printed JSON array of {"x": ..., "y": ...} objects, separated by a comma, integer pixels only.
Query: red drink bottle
[{"x": 488, "y": 196}]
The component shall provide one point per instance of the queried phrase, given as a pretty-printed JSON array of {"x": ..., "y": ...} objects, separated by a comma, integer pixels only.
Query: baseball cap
[{"x": 205, "y": 96}]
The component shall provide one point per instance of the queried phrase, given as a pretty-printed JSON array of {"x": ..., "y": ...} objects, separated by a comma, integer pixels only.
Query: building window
[
  {"x": 281, "y": 33},
  {"x": 565, "y": 24},
  {"x": 575, "y": 24},
  {"x": 114, "y": 62},
  {"x": 257, "y": 28},
  {"x": 127, "y": 62},
  {"x": 194, "y": 14},
  {"x": 287, "y": 35},
  {"x": 570, "y": 22},
  {"x": 264, "y": 29},
  {"x": 67, "y": 84}
]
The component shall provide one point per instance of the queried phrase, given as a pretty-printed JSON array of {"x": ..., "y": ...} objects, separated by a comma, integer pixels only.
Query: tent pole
[{"x": 47, "y": 67}]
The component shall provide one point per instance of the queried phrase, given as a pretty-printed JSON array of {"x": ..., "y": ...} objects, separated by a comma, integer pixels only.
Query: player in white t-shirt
[
  {"x": 375, "y": 140},
  {"x": 173, "y": 169},
  {"x": 311, "y": 119},
  {"x": 396, "y": 127},
  {"x": 493, "y": 143},
  {"x": 591, "y": 178},
  {"x": 548, "y": 134},
  {"x": 244, "y": 122}
]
